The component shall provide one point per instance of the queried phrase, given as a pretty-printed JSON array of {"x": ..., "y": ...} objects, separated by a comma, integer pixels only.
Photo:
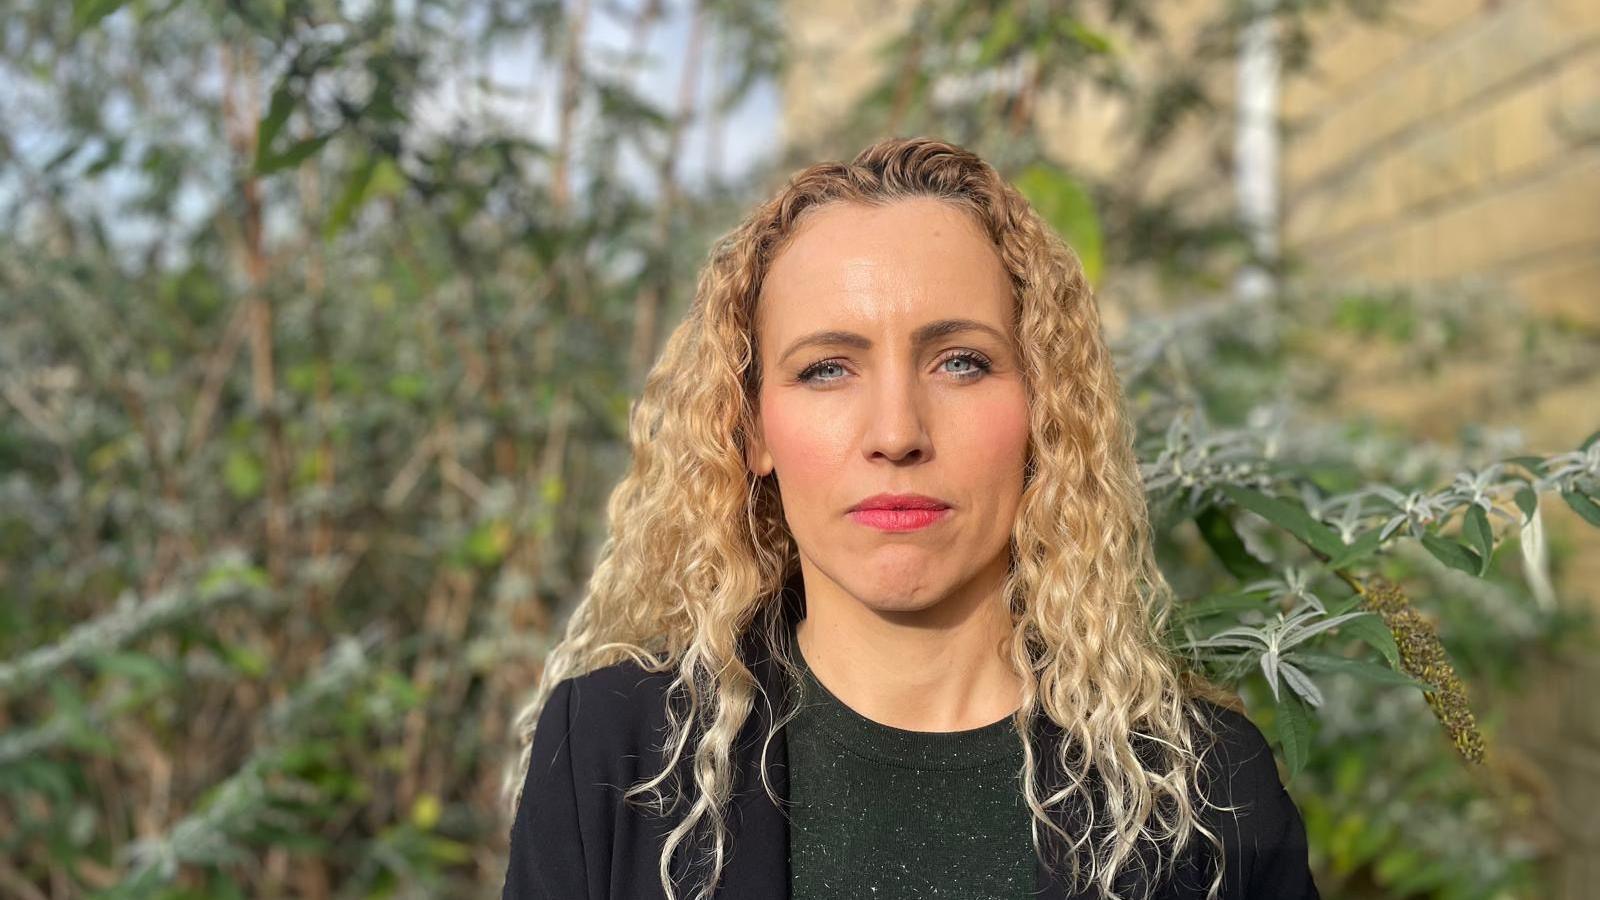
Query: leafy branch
[{"x": 1219, "y": 470}]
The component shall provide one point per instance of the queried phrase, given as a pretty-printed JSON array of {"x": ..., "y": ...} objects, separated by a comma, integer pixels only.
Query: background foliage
[{"x": 314, "y": 370}]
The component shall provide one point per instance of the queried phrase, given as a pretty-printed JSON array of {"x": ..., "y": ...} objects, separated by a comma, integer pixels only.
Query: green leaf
[
  {"x": 1342, "y": 605},
  {"x": 1452, "y": 554},
  {"x": 242, "y": 473},
  {"x": 108, "y": 158},
  {"x": 1363, "y": 547},
  {"x": 1218, "y": 532},
  {"x": 1476, "y": 527},
  {"x": 1534, "y": 464},
  {"x": 1294, "y": 731},
  {"x": 225, "y": 575},
  {"x": 292, "y": 157},
  {"x": 277, "y": 114},
  {"x": 1371, "y": 630},
  {"x": 1064, "y": 204},
  {"x": 134, "y": 666},
  {"x": 246, "y": 660},
  {"x": 1089, "y": 39},
  {"x": 446, "y": 850},
  {"x": 387, "y": 179},
  {"x": 67, "y": 699},
  {"x": 90, "y": 736},
  {"x": 408, "y": 385},
  {"x": 1327, "y": 662},
  {"x": 551, "y": 490},
  {"x": 87, "y": 13},
  {"x": 1589, "y": 441},
  {"x": 44, "y": 776},
  {"x": 1000, "y": 36},
  {"x": 1583, "y": 505},
  {"x": 619, "y": 102},
  {"x": 486, "y": 544},
  {"x": 1436, "y": 873},
  {"x": 355, "y": 193},
  {"x": 1527, "y": 501},
  {"x": 1214, "y": 604},
  {"x": 1287, "y": 516},
  {"x": 1398, "y": 863}
]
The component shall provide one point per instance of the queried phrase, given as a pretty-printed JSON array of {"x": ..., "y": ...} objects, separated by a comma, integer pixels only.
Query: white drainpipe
[{"x": 1255, "y": 138}]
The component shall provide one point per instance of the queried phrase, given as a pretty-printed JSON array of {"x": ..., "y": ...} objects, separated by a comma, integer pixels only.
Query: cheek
[
  {"x": 994, "y": 435},
  {"x": 807, "y": 446}
]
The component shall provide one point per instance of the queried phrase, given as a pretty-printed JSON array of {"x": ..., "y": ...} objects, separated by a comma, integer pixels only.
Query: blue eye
[
  {"x": 811, "y": 370},
  {"x": 978, "y": 365}
]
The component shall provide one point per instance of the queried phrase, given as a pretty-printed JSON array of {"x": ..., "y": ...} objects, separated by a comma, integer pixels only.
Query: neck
[{"x": 940, "y": 668}]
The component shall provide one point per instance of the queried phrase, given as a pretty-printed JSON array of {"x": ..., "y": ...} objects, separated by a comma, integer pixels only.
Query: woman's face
[{"x": 888, "y": 367}]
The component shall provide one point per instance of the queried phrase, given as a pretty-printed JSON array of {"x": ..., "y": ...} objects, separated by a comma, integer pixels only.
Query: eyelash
[{"x": 980, "y": 365}]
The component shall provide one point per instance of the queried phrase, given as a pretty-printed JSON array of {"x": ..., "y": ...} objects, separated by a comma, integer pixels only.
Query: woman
[{"x": 878, "y": 614}]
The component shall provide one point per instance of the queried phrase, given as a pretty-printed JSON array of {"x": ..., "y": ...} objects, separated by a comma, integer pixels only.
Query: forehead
[{"x": 909, "y": 261}]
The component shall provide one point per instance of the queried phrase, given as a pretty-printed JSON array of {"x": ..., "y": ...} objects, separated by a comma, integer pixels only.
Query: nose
[{"x": 896, "y": 427}]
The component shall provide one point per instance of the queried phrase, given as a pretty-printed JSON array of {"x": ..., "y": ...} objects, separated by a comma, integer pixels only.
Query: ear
[{"x": 756, "y": 457}]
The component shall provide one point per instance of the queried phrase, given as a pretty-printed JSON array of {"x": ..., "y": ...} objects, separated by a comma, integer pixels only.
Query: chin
[{"x": 903, "y": 599}]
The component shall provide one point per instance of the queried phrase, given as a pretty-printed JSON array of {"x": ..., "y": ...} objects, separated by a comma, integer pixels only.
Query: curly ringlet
[{"x": 698, "y": 553}]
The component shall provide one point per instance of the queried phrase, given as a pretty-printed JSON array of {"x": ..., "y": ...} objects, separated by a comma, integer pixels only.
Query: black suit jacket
[{"x": 573, "y": 838}]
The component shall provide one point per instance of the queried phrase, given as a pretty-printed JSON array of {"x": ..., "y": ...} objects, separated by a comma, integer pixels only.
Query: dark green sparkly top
[{"x": 884, "y": 813}]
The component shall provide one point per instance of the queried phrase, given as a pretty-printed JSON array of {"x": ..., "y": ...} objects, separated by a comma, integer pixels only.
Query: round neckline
[{"x": 902, "y": 747}]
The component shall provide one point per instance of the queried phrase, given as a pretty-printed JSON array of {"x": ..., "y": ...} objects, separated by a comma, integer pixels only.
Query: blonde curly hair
[{"x": 698, "y": 554}]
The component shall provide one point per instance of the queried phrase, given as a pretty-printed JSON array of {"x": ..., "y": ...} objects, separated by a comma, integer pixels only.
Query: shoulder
[
  {"x": 592, "y": 740},
  {"x": 1248, "y": 805},
  {"x": 1237, "y": 753},
  {"x": 1239, "y": 769},
  {"x": 620, "y": 687},
  {"x": 614, "y": 708}
]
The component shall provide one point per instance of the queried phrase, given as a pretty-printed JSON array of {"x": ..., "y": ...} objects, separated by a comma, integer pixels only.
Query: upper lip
[{"x": 900, "y": 501}]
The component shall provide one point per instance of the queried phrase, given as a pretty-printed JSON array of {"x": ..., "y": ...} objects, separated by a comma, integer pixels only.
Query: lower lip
[{"x": 899, "y": 519}]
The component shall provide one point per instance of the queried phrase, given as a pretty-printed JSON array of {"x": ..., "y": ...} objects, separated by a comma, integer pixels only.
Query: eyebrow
[{"x": 924, "y": 335}]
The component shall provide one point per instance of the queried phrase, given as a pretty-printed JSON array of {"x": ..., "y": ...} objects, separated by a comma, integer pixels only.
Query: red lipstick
[{"x": 899, "y": 512}]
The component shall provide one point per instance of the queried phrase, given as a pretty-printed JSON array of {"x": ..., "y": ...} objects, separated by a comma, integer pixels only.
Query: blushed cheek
[
  {"x": 999, "y": 445},
  {"x": 806, "y": 447},
  {"x": 1003, "y": 428}
]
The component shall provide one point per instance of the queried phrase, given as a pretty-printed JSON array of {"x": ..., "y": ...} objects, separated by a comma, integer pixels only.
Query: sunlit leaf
[
  {"x": 1002, "y": 33},
  {"x": 1063, "y": 203},
  {"x": 242, "y": 473}
]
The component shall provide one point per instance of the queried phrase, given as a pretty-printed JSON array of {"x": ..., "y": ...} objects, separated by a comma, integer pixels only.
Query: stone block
[
  {"x": 1566, "y": 289},
  {"x": 1438, "y": 78},
  {"x": 1347, "y": 51},
  {"x": 1488, "y": 232}
]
